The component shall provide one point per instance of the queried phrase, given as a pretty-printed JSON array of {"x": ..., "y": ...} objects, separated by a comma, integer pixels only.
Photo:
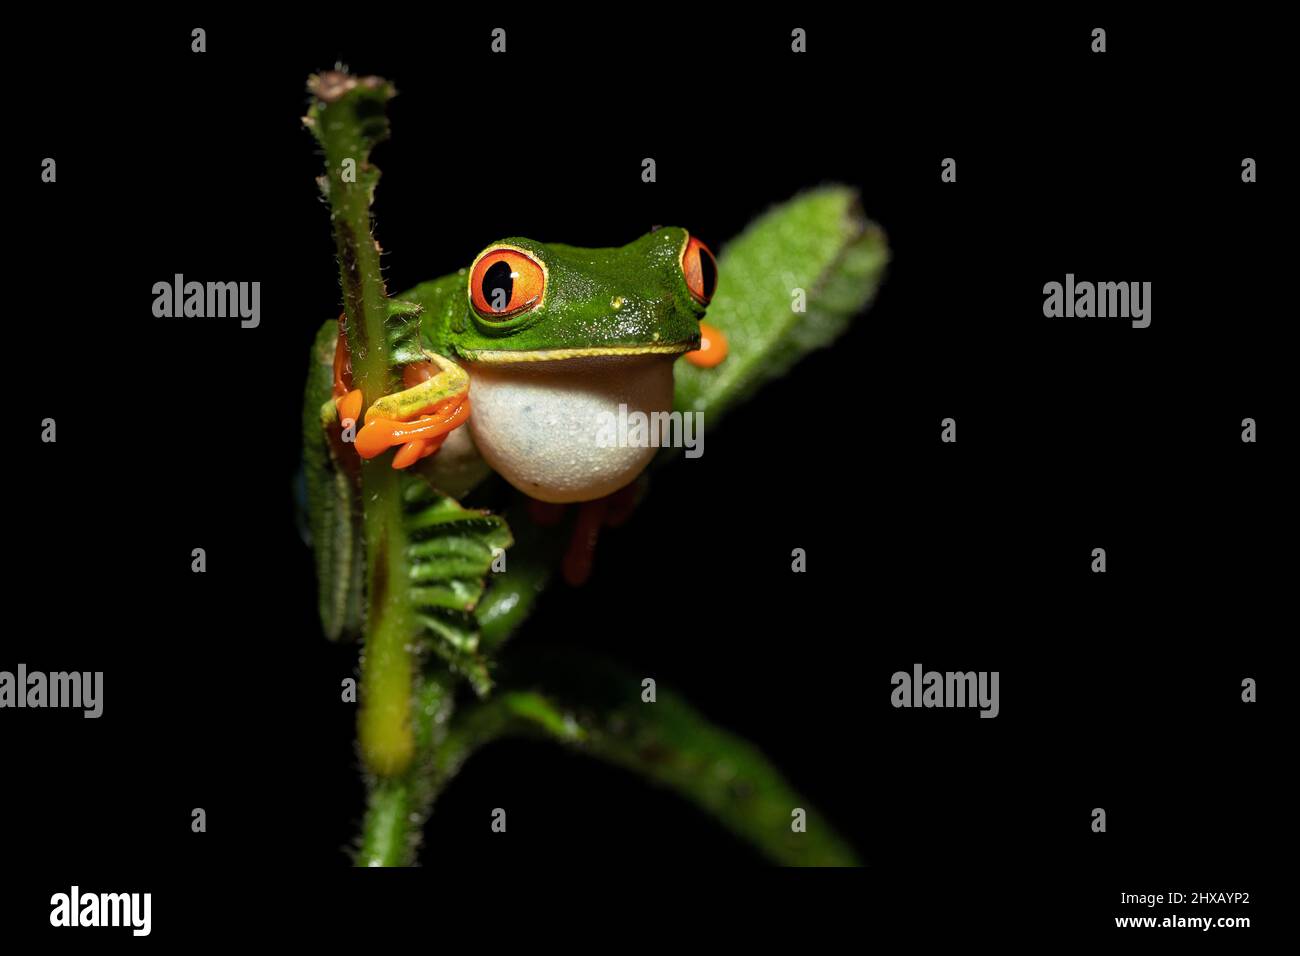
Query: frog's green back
[{"x": 443, "y": 309}]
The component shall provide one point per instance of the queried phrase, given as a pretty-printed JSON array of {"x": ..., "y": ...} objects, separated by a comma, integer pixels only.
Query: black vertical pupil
[
  {"x": 708, "y": 273},
  {"x": 498, "y": 277}
]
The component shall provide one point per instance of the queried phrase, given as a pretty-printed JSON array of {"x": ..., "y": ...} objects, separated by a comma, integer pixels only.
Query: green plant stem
[
  {"x": 396, "y": 808},
  {"x": 347, "y": 117},
  {"x": 667, "y": 742},
  {"x": 384, "y": 728},
  {"x": 385, "y": 833}
]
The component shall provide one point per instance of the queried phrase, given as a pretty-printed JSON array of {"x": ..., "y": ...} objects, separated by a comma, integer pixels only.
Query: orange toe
[
  {"x": 409, "y": 454},
  {"x": 377, "y": 436},
  {"x": 713, "y": 347},
  {"x": 349, "y": 405}
]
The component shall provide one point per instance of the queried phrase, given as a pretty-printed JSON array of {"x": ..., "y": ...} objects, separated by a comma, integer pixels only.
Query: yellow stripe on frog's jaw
[{"x": 507, "y": 356}]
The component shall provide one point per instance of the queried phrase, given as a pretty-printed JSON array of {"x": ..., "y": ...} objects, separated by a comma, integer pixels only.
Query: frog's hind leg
[{"x": 609, "y": 511}]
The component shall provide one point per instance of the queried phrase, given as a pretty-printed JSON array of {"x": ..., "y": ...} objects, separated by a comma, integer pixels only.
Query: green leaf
[
  {"x": 333, "y": 500},
  {"x": 817, "y": 242},
  {"x": 449, "y": 554},
  {"x": 669, "y": 743},
  {"x": 510, "y": 596}
]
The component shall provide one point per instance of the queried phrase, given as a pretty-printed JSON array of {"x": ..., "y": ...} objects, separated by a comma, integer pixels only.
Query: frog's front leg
[{"x": 419, "y": 418}]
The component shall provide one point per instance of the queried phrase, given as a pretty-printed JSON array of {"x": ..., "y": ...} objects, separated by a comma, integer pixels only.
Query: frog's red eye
[
  {"x": 505, "y": 282},
  {"x": 700, "y": 269}
]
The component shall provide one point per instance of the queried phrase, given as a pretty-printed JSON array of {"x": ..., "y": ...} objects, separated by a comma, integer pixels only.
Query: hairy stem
[
  {"x": 385, "y": 833},
  {"x": 348, "y": 119},
  {"x": 397, "y": 807}
]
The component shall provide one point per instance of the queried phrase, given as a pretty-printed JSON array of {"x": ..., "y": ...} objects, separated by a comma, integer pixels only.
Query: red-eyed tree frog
[{"x": 531, "y": 346}]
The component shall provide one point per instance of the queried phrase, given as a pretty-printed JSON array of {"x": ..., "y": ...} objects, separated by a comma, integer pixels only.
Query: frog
[
  {"x": 531, "y": 346},
  {"x": 513, "y": 363}
]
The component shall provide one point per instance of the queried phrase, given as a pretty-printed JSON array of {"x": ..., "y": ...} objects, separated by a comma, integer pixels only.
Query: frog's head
[
  {"x": 532, "y": 302},
  {"x": 560, "y": 341}
]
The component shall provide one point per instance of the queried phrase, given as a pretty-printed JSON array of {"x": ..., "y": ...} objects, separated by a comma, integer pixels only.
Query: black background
[{"x": 1119, "y": 690}]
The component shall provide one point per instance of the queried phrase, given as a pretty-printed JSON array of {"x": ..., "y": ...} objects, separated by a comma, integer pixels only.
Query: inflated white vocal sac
[{"x": 544, "y": 425}]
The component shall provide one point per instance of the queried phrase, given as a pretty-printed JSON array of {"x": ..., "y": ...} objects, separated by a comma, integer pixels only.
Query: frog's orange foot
[
  {"x": 713, "y": 347},
  {"x": 420, "y": 434},
  {"x": 420, "y": 437}
]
